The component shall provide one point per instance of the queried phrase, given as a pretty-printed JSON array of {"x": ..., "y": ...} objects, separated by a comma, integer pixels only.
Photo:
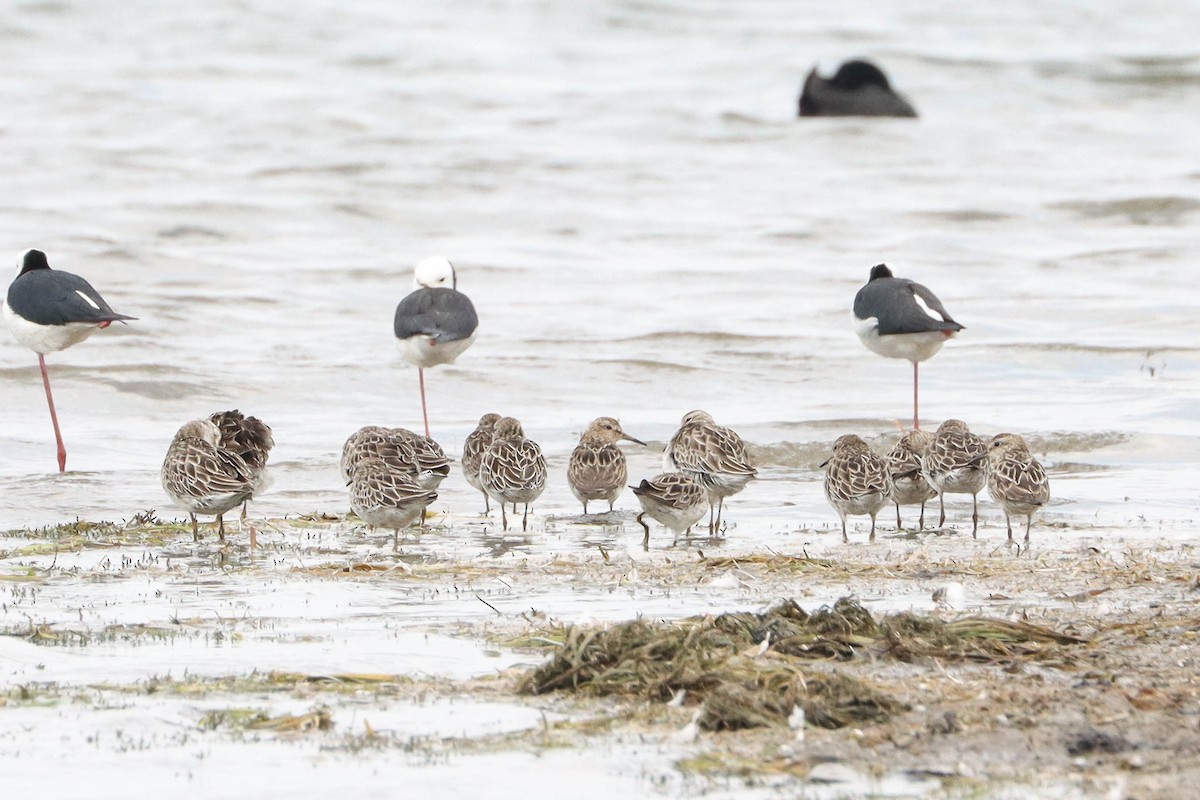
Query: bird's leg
[
  {"x": 245, "y": 505},
  {"x": 872, "y": 528},
  {"x": 646, "y": 538},
  {"x": 487, "y": 505},
  {"x": 610, "y": 506},
  {"x": 62, "y": 449},
  {"x": 974, "y": 516},
  {"x": 220, "y": 527},
  {"x": 916, "y": 416},
  {"x": 845, "y": 537},
  {"x": 585, "y": 508},
  {"x": 395, "y": 539},
  {"x": 1028, "y": 525},
  {"x": 899, "y": 524},
  {"x": 942, "y": 505},
  {"x": 921, "y": 524},
  {"x": 720, "y": 508},
  {"x": 712, "y": 510},
  {"x": 195, "y": 529},
  {"x": 503, "y": 516},
  {"x": 525, "y": 519},
  {"x": 424, "y": 410}
]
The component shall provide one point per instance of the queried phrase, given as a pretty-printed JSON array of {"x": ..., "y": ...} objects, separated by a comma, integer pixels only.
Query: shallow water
[{"x": 644, "y": 228}]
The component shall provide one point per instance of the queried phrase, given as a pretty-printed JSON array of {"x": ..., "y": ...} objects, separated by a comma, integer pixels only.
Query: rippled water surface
[{"x": 644, "y": 227}]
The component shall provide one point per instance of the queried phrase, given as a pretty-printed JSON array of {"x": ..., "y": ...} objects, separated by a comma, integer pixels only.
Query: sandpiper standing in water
[
  {"x": 50, "y": 310},
  {"x": 202, "y": 477},
  {"x": 955, "y": 462},
  {"x": 1016, "y": 480},
  {"x": 909, "y": 486},
  {"x": 475, "y": 445},
  {"x": 436, "y": 322},
  {"x": 597, "y": 468},
  {"x": 386, "y": 498},
  {"x": 898, "y": 318},
  {"x": 713, "y": 455},
  {"x": 251, "y": 439},
  {"x": 856, "y": 480},
  {"x": 672, "y": 498},
  {"x": 513, "y": 469}
]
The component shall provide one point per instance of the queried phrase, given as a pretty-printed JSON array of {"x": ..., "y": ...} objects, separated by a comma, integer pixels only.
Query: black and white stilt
[
  {"x": 50, "y": 310},
  {"x": 898, "y": 318},
  {"x": 436, "y": 322}
]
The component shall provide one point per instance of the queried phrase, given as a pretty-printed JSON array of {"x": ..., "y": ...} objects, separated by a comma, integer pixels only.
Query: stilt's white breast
[
  {"x": 422, "y": 351},
  {"x": 909, "y": 346},
  {"x": 45, "y": 339}
]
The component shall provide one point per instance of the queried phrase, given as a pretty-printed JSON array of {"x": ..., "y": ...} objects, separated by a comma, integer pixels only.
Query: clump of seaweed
[{"x": 747, "y": 669}]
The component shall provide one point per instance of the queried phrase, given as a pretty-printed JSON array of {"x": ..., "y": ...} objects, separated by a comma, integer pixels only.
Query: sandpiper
[
  {"x": 202, "y": 477},
  {"x": 955, "y": 462},
  {"x": 713, "y": 455},
  {"x": 386, "y": 498},
  {"x": 597, "y": 469},
  {"x": 857, "y": 89},
  {"x": 49, "y": 310},
  {"x": 1016, "y": 480},
  {"x": 436, "y": 322},
  {"x": 475, "y": 445},
  {"x": 672, "y": 498},
  {"x": 909, "y": 486},
  {"x": 513, "y": 469},
  {"x": 856, "y": 480},
  {"x": 902, "y": 319},
  {"x": 251, "y": 439},
  {"x": 401, "y": 449}
]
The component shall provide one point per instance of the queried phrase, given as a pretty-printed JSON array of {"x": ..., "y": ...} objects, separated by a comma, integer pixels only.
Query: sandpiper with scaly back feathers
[
  {"x": 899, "y": 318},
  {"x": 714, "y": 456},
  {"x": 513, "y": 469},
  {"x": 672, "y": 498},
  {"x": 475, "y": 445},
  {"x": 202, "y": 477},
  {"x": 386, "y": 498},
  {"x": 909, "y": 486},
  {"x": 50, "y": 310},
  {"x": 1016, "y": 480},
  {"x": 251, "y": 439},
  {"x": 401, "y": 450},
  {"x": 856, "y": 480},
  {"x": 597, "y": 468},
  {"x": 955, "y": 462}
]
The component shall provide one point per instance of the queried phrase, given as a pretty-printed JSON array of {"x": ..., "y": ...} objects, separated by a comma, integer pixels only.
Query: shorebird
[
  {"x": 909, "y": 486},
  {"x": 856, "y": 480},
  {"x": 1016, "y": 480},
  {"x": 857, "y": 89},
  {"x": 714, "y": 456},
  {"x": 513, "y": 469},
  {"x": 49, "y": 310},
  {"x": 251, "y": 439},
  {"x": 475, "y": 445},
  {"x": 597, "y": 469},
  {"x": 672, "y": 498},
  {"x": 385, "y": 498},
  {"x": 202, "y": 477},
  {"x": 401, "y": 450},
  {"x": 955, "y": 462},
  {"x": 902, "y": 319},
  {"x": 436, "y": 322}
]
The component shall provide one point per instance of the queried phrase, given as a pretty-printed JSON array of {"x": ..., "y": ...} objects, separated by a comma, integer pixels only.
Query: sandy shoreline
[{"x": 215, "y": 629}]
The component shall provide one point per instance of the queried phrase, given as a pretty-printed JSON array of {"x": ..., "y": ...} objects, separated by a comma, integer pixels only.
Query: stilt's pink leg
[{"x": 62, "y": 449}]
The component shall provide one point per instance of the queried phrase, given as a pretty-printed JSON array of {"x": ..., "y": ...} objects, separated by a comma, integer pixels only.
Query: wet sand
[{"x": 133, "y": 648}]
